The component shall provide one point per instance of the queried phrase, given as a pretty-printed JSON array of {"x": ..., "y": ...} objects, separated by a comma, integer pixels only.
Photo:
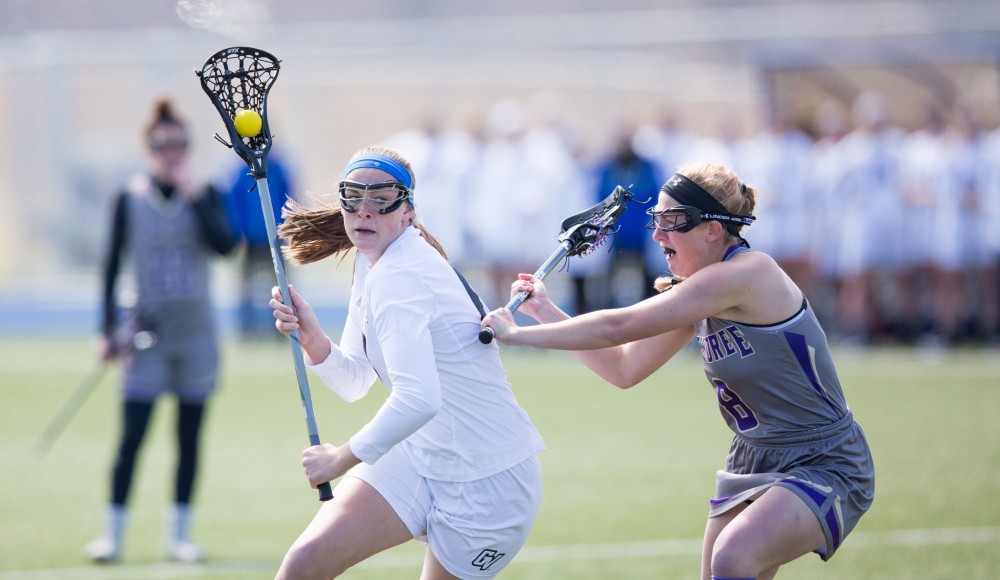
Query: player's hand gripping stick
[{"x": 486, "y": 335}]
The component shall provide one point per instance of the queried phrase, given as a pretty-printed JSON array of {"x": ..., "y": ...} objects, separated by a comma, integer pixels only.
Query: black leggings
[{"x": 135, "y": 420}]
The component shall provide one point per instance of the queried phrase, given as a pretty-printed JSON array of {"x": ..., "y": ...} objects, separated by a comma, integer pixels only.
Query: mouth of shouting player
[{"x": 364, "y": 231}]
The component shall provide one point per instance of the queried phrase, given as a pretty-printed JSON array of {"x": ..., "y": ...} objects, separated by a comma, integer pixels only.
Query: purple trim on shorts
[
  {"x": 818, "y": 498},
  {"x": 801, "y": 351},
  {"x": 831, "y": 513},
  {"x": 834, "y": 525},
  {"x": 719, "y": 500}
]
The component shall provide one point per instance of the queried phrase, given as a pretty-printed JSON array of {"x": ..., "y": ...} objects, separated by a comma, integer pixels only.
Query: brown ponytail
[
  {"x": 430, "y": 239},
  {"x": 313, "y": 234}
]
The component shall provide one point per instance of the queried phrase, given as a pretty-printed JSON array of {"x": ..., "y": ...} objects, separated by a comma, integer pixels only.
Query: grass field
[{"x": 628, "y": 474}]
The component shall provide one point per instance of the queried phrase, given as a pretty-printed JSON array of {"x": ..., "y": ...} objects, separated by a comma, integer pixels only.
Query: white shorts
[{"x": 475, "y": 528}]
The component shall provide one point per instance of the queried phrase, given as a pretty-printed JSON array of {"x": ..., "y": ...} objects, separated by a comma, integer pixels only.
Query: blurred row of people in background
[{"x": 888, "y": 231}]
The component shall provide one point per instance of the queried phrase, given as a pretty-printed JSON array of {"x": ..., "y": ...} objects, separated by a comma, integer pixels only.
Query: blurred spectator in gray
[
  {"x": 246, "y": 218},
  {"x": 165, "y": 230}
]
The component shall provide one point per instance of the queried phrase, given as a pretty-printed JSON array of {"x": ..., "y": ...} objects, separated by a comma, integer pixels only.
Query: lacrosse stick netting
[
  {"x": 236, "y": 79},
  {"x": 581, "y": 234}
]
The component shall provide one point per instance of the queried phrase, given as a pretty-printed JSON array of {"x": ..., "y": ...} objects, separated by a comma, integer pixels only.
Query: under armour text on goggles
[
  {"x": 385, "y": 197},
  {"x": 684, "y": 218}
]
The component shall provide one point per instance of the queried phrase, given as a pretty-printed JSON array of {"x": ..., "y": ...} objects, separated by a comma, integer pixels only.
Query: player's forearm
[
  {"x": 585, "y": 332},
  {"x": 345, "y": 459},
  {"x": 548, "y": 314},
  {"x": 403, "y": 413}
]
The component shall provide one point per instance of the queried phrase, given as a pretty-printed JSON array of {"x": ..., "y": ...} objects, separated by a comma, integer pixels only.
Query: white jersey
[{"x": 412, "y": 323}]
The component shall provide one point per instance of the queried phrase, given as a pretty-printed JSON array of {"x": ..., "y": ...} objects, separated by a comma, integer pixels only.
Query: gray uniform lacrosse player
[
  {"x": 799, "y": 474},
  {"x": 778, "y": 391},
  {"x": 166, "y": 230}
]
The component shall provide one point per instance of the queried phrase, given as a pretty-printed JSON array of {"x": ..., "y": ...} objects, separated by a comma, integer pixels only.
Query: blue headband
[{"x": 383, "y": 163}]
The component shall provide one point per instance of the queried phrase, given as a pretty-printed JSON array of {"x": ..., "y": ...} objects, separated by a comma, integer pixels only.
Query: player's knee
[
  {"x": 732, "y": 558},
  {"x": 308, "y": 560}
]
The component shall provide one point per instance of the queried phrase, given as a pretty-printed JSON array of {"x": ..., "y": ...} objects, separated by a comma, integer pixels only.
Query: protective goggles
[
  {"x": 684, "y": 218},
  {"x": 168, "y": 144},
  {"x": 383, "y": 197}
]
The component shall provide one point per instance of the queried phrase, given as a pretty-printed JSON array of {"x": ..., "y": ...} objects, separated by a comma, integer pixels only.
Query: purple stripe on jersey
[{"x": 801, "y": 351}]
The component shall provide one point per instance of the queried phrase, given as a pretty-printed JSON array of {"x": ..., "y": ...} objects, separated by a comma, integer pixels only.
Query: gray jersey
[
  {"x": 772, "y": 380},
  {"x": 170, "y": 265}
]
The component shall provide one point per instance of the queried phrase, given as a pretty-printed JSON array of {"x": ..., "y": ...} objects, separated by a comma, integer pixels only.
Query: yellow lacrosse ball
[{"x": 248, "y": 123}]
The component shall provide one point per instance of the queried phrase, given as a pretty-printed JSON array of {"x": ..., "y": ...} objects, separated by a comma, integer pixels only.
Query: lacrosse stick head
[
  {"x": 589, "y": 229},
  {"x": 238, "y": 79}
]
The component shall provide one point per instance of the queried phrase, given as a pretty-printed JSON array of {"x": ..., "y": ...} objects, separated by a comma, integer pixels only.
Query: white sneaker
[
  {"x": 103, "y": 550},
  {"x": 185, "y": 552}
]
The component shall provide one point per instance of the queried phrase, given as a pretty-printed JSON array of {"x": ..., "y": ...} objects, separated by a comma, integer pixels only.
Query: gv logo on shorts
[{"x": 487, "y": 558}]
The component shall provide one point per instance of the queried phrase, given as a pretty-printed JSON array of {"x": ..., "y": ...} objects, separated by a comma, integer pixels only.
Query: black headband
[{"x": 687, "y": 192}]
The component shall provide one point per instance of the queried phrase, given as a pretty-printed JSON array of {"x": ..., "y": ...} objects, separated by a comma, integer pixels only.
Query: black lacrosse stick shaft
[
  {"x": 486, "y": 335},
  {"x": 581, "y": 233}
]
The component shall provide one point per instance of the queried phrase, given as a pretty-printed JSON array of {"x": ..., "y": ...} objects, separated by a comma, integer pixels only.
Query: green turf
[{"x": 627, "y": 473}]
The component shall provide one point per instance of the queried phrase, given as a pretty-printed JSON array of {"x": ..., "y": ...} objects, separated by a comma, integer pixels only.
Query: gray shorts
[
  {"x": 185, "y": 370},
  {"x": 830, "y": 469}
]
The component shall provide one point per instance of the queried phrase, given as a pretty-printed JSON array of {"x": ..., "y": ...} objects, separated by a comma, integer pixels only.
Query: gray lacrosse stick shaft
[
  {"x": 486, "y": 335},
  {"x": 300, "y": 367},
  {"x": 70, "y": 407}
]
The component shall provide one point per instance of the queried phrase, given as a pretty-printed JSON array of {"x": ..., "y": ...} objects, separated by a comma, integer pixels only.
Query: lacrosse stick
[
  {"x": 237, "y": 81},
  {"x": 580, "y": 235},
  {"x": 70, "y": 407}
]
